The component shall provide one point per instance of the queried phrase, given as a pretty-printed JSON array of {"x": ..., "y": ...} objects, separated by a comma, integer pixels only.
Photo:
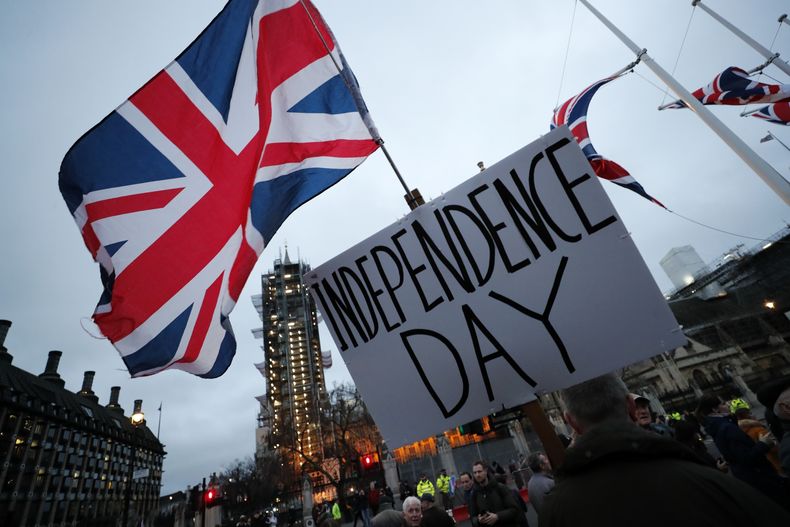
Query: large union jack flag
[
  {"x": 177, "y": 191},
  {"x": 573, "y": 113},
  {"x": 778, "y": 113},
  {"x": 734, "y": 87}
]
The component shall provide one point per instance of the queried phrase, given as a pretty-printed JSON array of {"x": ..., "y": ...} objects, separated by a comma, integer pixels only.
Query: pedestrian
[
  {"x": 388, "y": 518},
  {"x": 443, "y": 486},
  {"x": 614, "y": 470},
  {"x": 753, "y": 428},
  {"x": 424, "y": 485},
  {"x": 361, "y": 509},
  {"x": 464, "y": 489},
  {"x": 775, "y": 396},
  {"x": 746, "y": 458},
  {"x": 412, "y": 511},
  {"x": 386, "y": 502},
  {"x": 491, "y": 503},
  {"x": 541, "y": 482},
  {"x": 404, "y": 489},
  {"x": 687, "y": 434},
  {"x": 433, "y": 516},
  {"x": 516, "y": 474},
  {"x": 644, "y": 417},
  {"x": 374, "y": 497},
  {"x": 337, "y": 514}
]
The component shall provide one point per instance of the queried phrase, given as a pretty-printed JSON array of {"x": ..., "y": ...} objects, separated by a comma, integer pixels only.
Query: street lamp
[{"x": 137, "y": 419}]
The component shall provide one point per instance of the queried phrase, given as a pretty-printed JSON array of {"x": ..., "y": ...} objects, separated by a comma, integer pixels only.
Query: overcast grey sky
[{"x": 448, "y": 84}]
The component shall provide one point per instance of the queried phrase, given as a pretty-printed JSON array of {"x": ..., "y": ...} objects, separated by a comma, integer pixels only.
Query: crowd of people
[
  {"x": 613, "y": 468},
  {"x": 622, "y": 458}
]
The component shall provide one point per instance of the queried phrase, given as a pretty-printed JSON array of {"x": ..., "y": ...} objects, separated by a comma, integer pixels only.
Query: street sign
[{"x": 521, "y": 280}]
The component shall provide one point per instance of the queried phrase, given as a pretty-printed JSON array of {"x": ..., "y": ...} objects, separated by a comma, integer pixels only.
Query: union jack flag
[
  {"x": 177, "y": 191},
  {"x": 573, "y": 113},
  {"x": 778, "y": 113},
  {"x": 734, "y": 87}
]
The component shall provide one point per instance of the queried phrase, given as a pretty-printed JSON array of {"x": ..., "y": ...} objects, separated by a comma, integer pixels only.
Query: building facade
[
  {"x": 290, "y": 414},
  {"x": 65, "y": 459},
  {"x": 736, "y": 314}
]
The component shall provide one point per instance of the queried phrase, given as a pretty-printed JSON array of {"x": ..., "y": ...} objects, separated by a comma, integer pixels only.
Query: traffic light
[
  {"x": 369, "y": 461},
  {"x": 472, "y": 427},
  {"x": 211, "y": 497}
]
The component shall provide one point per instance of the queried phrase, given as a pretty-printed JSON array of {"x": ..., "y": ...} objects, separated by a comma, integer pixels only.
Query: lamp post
[{"x": 137, "y": 419}]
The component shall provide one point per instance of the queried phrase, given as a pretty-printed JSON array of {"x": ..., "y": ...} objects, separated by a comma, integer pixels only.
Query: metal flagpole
[
  {"x": 771, "y": 137},
  {"x": 766, "y": 172},
  {"x": 412, "y": 197},
  {"x": 159, "y": 425},
  {"x": 759, "y": 48}
]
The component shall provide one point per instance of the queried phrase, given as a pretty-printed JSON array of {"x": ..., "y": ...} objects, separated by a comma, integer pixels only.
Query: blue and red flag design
[
  {"x": 734, "y": 87},
  {"x": 573, "y": 113},
  {"x": 179, "y": 189},
  {"x": 778, "y": 113}
]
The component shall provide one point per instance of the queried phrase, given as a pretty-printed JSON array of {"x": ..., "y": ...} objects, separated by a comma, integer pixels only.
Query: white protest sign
[{"x": 522, "y": 279}]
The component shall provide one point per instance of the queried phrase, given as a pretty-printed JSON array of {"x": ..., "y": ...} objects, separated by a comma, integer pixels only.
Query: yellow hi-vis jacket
[
  {"x": 443, "y": 484},
  {"x": 425, "y": 487},
  {"x": 336, "y": 511}
]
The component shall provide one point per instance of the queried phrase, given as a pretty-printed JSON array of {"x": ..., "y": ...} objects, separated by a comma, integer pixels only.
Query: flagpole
[
  {"x": 766, "y": 172},
  {"x": 759, "y": 48},
  {"x": 159, "y": 426},
  {"x": 749, "y": 112},
  {"x": 772, "y": 136},
  {"x": 413, "y": 197}
]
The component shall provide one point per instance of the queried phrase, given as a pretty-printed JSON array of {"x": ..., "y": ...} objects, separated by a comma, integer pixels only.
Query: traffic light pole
[{"x": 203, "y": 504}]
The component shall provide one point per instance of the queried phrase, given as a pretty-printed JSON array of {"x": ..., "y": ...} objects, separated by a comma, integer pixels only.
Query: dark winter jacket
[
  {"x": 435, "y": 517},
  {"x": 747, "y": 458},
  {"x": 497, "y": 498},
  {"x": 616, "y": 473}
]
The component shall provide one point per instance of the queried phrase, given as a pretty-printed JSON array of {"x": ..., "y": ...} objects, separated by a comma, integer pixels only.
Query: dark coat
[
  {"x": 435, "y": 517},
  {"x": 496, "y": 498},
  {"x": 616, "y": 473},
  {"x": 747, "y": 458}
]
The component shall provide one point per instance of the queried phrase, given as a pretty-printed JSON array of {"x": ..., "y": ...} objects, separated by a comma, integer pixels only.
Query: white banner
[{"x": 519, "y": 281}]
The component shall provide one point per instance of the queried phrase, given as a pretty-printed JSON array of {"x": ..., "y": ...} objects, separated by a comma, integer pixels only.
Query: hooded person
[{"x": 746, "y": 458}]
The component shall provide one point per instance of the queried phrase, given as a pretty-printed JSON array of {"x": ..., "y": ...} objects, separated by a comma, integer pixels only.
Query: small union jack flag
[
  {"x": 177, "y": 191},
  {"x": 778, "y": 113},
  {"x": 573, "y": 113},
  {"x": 734, "y": 87}
]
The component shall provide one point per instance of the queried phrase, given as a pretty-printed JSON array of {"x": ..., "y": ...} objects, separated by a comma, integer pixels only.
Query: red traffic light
[
  {"x": 211, "y": 497},
  {"x": 369, "y": 460}
]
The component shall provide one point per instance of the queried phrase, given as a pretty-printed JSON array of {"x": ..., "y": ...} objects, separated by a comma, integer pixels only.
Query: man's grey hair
[
  {"x": 409, "y": 501},
  {"x": 534, "y": 462},
  {"x": 388, "y": 518},
  {"x": 597, "y": 400}
]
